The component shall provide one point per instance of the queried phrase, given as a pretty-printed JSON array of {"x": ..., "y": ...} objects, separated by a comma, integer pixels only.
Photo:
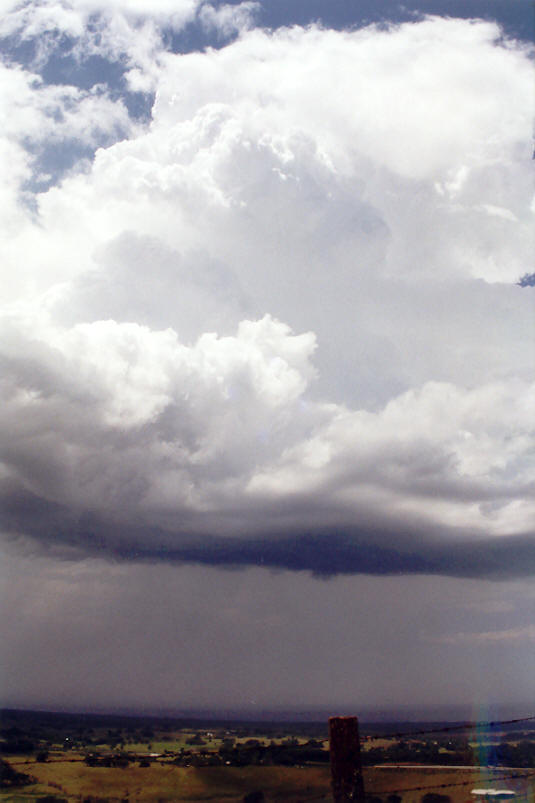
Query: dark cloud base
[
  {"x": 328, "y": 554},
  {"x": 325, "y": 552}
]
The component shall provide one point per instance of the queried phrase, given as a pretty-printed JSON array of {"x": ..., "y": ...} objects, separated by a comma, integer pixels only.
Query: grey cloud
[
  {"x": 146, "y": 448},
  {"x": 270, "y": 339},
  {"x": 322, "y": 551},
  {"x": 378, "y": 412},
  {"x": 326, "y": 554}
]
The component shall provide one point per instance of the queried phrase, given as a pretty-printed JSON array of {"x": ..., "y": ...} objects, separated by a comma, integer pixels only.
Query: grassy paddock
[
  {"x": 164, "y": 783},
  {"x": 74, "y": 781}
]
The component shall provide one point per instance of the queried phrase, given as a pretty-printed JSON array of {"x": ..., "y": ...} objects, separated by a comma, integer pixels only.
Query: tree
[
  {"x": 434, "y": 797},
  {"x": 254, "y": 797}
]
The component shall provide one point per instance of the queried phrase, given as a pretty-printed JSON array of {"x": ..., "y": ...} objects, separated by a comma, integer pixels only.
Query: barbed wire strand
[
  {"x": 448, "y": 728},
  {"x": 502, "y": 777},
  {"x": 382, "y": 793}
]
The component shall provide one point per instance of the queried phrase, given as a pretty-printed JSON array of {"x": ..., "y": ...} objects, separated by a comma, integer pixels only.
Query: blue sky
[{"x": 267, "y": 367}]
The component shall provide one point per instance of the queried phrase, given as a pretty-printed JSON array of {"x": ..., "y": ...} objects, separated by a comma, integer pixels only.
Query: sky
[{"x": 267, "y": 361}]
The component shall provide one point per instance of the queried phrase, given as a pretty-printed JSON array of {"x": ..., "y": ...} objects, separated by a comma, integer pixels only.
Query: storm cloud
[
  {"x": 279, "y": 324},
  {"x": 266, "y": 356}
]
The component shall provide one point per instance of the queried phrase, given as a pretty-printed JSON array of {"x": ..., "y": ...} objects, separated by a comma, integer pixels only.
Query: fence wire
[
  {"x": 501, "y": 777},
  {"x": 449, "y": 728}
]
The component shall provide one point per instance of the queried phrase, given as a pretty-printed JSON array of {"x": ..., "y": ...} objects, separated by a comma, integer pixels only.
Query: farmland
[{"x": 62, "y": 757}]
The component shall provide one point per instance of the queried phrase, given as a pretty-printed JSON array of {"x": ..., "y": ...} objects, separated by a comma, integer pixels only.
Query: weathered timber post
[{"x": 346, "y": 770}]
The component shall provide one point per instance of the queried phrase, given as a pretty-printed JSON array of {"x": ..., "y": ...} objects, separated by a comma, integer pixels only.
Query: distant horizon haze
[{"x": 366, "y": 715}]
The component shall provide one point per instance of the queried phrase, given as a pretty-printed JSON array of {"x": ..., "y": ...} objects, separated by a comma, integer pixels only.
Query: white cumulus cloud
[{"x": 290, "y": 299}]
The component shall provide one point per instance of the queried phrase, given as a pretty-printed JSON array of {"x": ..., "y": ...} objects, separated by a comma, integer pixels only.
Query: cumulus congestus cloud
[
  {"x": 279, "y": 324},
  {"x": 121, "y": 438}
]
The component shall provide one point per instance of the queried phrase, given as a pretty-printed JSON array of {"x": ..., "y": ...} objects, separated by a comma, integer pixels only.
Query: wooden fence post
[{"x": 346, "y": 770}]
